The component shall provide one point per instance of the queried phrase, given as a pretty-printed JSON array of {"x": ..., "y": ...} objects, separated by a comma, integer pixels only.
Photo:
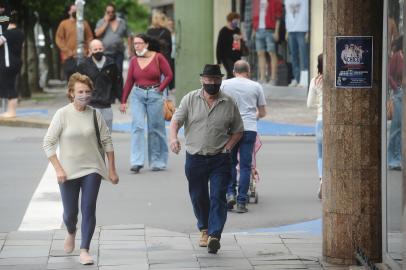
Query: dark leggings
[{"x": 89, "y": 184}]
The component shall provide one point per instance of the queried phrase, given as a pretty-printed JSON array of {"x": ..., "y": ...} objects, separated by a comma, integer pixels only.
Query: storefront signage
[{"x": 354, "y": 62}]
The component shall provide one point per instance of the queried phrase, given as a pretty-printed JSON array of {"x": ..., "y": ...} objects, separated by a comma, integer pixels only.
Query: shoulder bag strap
[{"x": 96, "y": 127}]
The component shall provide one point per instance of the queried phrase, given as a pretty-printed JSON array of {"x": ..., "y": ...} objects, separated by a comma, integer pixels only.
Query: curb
[{"x": 24, "y": 122}]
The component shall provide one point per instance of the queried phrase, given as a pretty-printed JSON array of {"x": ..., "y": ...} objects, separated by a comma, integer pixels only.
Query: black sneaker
[
  {"x": 136, "y": 168},
  {"x": 230, "y": 201},
  {"x": 241, "y": 208},
  {"x": 213, "y": 245}
]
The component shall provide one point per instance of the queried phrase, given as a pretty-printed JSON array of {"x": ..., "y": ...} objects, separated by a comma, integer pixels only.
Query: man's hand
[
  {"x": 106, "y": 18},
  {"x": 123, "y": 108},
  {"x": 175, "y": 146}
]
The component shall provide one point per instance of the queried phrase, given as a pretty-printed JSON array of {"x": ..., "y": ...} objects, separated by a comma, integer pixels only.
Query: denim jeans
[
  {"x": 264, "y": 40},
  {"x": 244, "y": 147},
  {"x": 319, "y": 144},
  {"x": 299, "y": 53},
  {"x": 148, "y": 103},
  {"x": 395, "y": 133},
  {"x": 70, "y": 189},
  {"x": 210, "y": 207}
]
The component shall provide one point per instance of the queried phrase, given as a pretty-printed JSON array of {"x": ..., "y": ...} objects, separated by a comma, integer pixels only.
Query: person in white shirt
[
  {"x": 80, "y": 163},
  {"x": 251, "y": 103},
  {"x": 297, "y": 28},
  {"x": 315, "y": 100}
]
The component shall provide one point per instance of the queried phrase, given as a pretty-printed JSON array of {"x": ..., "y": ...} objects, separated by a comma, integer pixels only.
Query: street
[{"x": 287, "y": 188}]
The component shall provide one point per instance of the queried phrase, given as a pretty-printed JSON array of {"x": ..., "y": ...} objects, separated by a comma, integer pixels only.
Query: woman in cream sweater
[{"x": 80, "y": 164}]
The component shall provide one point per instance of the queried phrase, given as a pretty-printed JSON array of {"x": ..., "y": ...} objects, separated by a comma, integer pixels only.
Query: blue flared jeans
[{"x": 147, "y": 104}]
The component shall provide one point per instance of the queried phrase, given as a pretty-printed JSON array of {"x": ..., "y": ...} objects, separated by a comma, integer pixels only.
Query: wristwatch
[{"x": 226, "y": 151}]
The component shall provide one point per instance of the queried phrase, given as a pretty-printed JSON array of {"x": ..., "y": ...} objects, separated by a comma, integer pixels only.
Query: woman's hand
[
  {"x": 123, "y": 108},
  {"x": 60, "y": 175},
  {"x": 113, "y": 177}
]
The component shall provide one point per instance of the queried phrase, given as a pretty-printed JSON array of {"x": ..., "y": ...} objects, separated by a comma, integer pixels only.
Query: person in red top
[
  {"x": 149, "y": 74},
  {"x": 266, "y": 15}
]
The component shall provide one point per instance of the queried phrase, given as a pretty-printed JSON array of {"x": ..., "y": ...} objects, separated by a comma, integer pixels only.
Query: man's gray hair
[{"x": 241, "y": 66}]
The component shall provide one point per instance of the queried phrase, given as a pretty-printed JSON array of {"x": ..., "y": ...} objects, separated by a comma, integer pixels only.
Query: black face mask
[
  {"x": 212, "y": 88},
  {"x": 98, "y": 56}
]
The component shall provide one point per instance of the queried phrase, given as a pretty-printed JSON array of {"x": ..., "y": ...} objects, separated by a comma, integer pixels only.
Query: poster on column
[{"x": 354, "y": 62}]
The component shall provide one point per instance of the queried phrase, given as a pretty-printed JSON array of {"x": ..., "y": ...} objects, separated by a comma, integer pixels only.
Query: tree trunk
[{"x": 352, "y": 140}]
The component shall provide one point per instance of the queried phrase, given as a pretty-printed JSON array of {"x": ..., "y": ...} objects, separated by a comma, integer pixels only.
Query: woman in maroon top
[{"x": 149, "y": 74}]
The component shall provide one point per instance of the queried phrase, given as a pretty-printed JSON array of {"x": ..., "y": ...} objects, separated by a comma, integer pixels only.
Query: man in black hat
[{"x": 213, "y": 125}]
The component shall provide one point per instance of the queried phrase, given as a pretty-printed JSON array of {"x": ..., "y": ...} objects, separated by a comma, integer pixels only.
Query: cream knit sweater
[{"x": 75, "y": 134}]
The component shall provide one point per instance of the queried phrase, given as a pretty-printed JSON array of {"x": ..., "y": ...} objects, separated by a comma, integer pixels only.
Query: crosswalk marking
[{"x": 45, "y": 209}]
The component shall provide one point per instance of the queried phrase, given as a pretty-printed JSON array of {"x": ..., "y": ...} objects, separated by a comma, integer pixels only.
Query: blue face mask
[{"x": 234, "y": 24}]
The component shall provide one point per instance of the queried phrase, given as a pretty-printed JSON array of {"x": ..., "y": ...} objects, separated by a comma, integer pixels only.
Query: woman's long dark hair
[{"x": 153, "y": 44}]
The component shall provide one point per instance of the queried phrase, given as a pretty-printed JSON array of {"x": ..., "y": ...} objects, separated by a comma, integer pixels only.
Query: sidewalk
[{"x": 137, "y": 247}]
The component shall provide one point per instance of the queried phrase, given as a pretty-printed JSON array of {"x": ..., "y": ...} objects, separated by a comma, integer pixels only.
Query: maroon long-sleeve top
[
  {"x": 396, "y": 70},
  {"x": 149, "y": 75}
]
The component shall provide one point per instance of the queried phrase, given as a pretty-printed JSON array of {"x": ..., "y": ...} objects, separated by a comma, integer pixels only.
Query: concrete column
[{"x": 352, "y": 140}]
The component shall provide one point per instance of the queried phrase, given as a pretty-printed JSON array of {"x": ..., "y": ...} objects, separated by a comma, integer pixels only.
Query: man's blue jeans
[
  {"x": 299, "y": 53},
  {"x": 244, "y": 148},
  {"x": 148, "y": 103},
  {"x": 395, "y": 133},
  {"x": 70, "y": 189},
  {"x": 210, "y": 207}
]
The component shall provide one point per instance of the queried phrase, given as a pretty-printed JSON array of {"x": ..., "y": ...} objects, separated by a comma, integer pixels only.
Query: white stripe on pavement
[{"x": 45, "y": 209}]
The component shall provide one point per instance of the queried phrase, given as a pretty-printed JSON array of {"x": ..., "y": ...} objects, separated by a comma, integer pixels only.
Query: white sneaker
[{"x": 293, "y": 83}]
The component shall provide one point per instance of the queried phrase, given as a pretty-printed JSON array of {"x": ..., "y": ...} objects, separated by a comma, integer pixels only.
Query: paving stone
[
  {"x": 114, "y": 237},
  {"x": 57, "y": 248},
  {"x": 107, "y": 233},
  {"x": 123, "y": 253},
  {"x": 69, "y": 262},
  {"x": 114, "y": 260},
  {"x": 249, "y": 240},
  {"x": 169, "y": 243},
  {"x": 222, "y": 253},
  {"x": 265, "y": 250},
  {"x": 175, "y": 265},
  {"x": 310, "y": 240},
  {"x": 24, "y": 251},
  {"x": 217, "y": 260},
  {"x": 126, "y": 267},
  {"x": 23, "y": 267},
  {"x": 21, "y": 242},
  {"x": 136, "y": 246},
  {"x": 124, "y": 227},
  {"x": 151, "y": 232},
  {"x": 22, "y": 235},
  {"x": 279, "y": 267},
  {"x": 24, "y": 261}
]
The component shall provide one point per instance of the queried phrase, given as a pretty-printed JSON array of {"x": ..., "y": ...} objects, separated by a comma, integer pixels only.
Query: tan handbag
[{"x": 168, "y": 109}]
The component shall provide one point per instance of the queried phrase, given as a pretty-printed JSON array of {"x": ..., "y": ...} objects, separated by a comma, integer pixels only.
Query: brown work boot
[{"x": 204, "y": 237}]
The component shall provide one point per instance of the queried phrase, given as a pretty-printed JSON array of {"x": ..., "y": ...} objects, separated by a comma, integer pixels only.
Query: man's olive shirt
[{"x": 207, "y": 130}]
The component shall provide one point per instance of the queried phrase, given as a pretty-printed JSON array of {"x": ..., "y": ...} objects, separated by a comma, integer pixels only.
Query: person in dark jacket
[
  {"x": 229, "y": 44},
  {"x": 11, "y": 46},
  {"x": 103, "y": 71}
]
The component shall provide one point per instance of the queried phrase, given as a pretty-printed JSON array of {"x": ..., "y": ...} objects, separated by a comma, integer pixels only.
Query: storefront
[{"x": 392, "y": 93}]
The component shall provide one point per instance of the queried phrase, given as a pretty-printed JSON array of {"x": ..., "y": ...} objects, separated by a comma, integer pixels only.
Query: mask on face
[
  {"x": 113, "y": 17},
  {"x": 234, "y": 25},
  {"x": 141, "y": 53},
  {"x": 212, "y": 88},
  {"x": 74, "y": 15},
  {"x": 82, "y": 100},
  {"x": 98, "y": 56}
]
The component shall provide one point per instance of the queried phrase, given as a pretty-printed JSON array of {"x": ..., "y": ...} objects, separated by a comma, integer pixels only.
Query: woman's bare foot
[
  {"x": 69, "y": 244},
  {"x": 85, "y": 257}
]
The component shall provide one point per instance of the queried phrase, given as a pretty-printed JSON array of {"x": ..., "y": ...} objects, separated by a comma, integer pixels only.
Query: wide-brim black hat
[{"x": 212, "y": 71}]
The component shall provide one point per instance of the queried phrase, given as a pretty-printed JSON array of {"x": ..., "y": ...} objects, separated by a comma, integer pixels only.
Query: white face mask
[
  {"x": 82, "y": 100},
  {"x": 141, "y": 53}
]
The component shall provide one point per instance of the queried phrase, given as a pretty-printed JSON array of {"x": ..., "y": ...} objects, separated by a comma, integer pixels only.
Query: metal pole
[{"x": 80, "y": 33}]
